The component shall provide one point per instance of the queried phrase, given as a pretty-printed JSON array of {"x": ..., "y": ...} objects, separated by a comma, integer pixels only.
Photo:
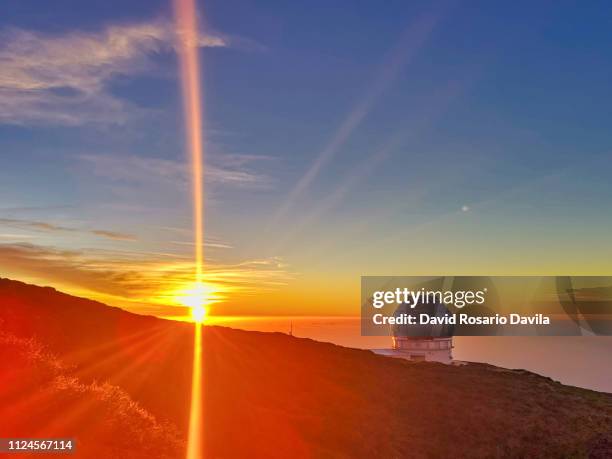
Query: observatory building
[{"x": 422, "y": 342}]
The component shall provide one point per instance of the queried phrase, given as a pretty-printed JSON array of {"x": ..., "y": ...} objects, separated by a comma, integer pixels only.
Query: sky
[{"x": 341, "y": 140}]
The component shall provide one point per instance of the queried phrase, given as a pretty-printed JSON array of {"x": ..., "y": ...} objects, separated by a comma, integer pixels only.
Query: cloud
[
  {"x": 114, "y": 235},
  {"x": 132, "y": 169},
  {"x": 51, "y": 227},
  {"x": 32, "y": 224},
  {"x": 63, "y": 79},
  {"x": 209, "y": 244},
  {"x": 136, "y": 278},
  {"x": 15, "y": 236}
]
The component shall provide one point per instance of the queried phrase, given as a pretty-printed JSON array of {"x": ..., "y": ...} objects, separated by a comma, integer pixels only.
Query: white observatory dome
[{"x": 425, "y": 342}]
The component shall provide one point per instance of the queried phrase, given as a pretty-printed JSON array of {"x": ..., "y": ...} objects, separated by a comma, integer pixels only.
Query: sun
[
  {"x": 198, "y": 313},
  {"x": 198, "y": 297}
]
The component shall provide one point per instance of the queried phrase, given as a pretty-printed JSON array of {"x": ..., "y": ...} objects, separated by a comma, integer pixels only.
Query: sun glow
[
  {"x": 198, "y": 297},
  {"x": 198, "y": 314}
]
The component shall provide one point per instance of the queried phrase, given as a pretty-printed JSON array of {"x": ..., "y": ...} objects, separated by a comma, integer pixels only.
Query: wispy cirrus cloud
[
  {"x": 230, "y": 169},
  {"x": 52, "y": 227},
  {"x": 63, "y": 79},
  {"x": 208, "y": 243},
  {"x": 133, "y": 279},
  {"x": 114, "y": 235}
]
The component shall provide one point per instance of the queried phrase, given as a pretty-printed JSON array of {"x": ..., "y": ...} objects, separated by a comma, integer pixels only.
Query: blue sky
[{"x": 342, "y": 139}]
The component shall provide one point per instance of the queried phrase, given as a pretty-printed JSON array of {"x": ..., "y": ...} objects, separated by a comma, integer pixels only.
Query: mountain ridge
[{"x": 294, "y": 396}]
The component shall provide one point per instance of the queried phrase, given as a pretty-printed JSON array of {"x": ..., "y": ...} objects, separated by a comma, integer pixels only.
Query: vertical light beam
[
  {"x": 194, "y": 442},
  {"x": 190, "y": 82},
  {"x": 188, "y": 38}
]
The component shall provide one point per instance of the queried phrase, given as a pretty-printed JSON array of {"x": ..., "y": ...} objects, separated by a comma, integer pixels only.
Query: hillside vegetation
[{"x": 269, "y": 394}]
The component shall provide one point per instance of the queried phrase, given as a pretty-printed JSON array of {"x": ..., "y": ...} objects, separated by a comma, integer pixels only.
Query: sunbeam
[
  {"x": 194, "y": 445},
  {"x": 411, "y": 41},
  {"x": 187, "y": 30}
]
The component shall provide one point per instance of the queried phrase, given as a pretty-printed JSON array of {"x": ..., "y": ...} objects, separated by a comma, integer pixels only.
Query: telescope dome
[{"x": 419, "y": 330}]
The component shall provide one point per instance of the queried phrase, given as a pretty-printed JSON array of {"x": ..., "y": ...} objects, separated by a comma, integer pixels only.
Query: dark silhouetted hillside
[{"x": 272, "y": 395}]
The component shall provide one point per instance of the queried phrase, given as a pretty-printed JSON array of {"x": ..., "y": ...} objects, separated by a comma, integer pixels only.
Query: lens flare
[
  {"x": 198, "y": 297},
  {"x": 187, "y": 33},
  {"x": 188, "y": 37},
  {"x": 198, "y": 314},
  {"x": 194, "y": 442}
]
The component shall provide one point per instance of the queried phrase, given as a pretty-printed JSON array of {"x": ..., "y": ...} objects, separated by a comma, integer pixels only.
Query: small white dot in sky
[{"x": 465, "y": 208}]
